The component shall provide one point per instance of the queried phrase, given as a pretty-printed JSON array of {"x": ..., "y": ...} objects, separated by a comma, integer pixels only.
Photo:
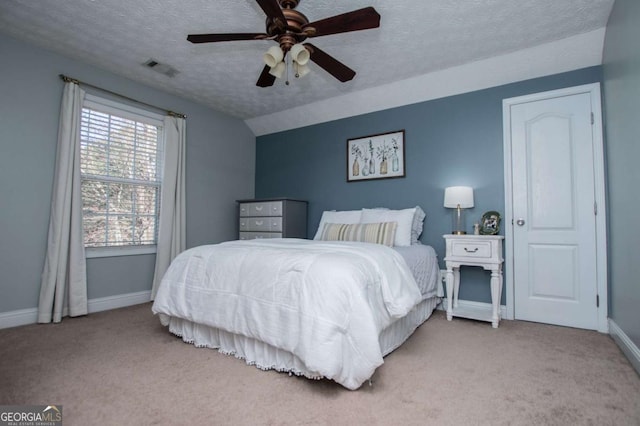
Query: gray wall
[
  {"x": 451, "y": 141},
  {"x": 220, "y": 169},
  {"x": 621, "y": 67}
]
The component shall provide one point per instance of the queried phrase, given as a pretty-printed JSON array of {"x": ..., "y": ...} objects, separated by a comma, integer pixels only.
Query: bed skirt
[{"x": 267, "y": 357}]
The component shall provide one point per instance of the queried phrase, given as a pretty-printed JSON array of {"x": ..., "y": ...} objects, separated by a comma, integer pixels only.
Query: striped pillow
[{"x": 379, "y": 233}]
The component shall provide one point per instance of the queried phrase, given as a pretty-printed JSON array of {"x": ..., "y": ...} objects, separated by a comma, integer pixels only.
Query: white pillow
[
  {"x": 404, "y": 218},
  {"x": 416, "y": 227},
  {"x": 347, "y": 216}
]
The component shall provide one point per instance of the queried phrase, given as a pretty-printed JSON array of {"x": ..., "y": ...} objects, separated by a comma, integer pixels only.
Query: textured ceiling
[{"x": 415, "y": 37}]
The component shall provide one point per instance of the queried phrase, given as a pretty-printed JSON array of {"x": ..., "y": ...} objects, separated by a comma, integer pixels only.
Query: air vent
[{"x": 167, "y": 70}]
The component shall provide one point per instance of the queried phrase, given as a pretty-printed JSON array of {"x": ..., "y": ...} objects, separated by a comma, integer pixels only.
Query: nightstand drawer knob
[{"x": 471, "y": 251}]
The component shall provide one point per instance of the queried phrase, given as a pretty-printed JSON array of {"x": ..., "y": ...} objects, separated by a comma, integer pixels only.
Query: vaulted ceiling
[{"x": 415, "y": 38}]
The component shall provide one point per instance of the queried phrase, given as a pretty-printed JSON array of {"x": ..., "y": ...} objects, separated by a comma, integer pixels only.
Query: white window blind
[{"x": 120, "y": 160}]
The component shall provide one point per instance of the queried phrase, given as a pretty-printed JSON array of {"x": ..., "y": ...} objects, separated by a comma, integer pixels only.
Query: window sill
[{"x": 92, "y": 252}]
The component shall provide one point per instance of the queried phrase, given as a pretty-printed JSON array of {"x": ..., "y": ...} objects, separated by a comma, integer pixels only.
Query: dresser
[{"x": 272, "y": 218}]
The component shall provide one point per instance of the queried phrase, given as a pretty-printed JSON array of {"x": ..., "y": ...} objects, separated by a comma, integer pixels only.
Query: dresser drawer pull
[
  {"x": 259, "y": 223},
  {"x": 471, "y": 251},
  {"x": 259, "y": 208}
]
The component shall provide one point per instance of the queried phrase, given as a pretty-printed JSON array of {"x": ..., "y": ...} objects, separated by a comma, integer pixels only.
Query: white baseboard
[
  {"x": 626, "y": 344},
  {"x": 475, "y": 306},
  {"x": 19, "y": 317},
  {"x": 119, "y": 301},
  {"x": 30, "y": 316}
]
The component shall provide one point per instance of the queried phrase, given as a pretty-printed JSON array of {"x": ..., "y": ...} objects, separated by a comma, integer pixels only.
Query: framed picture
[
  {"x": 376, "y": 156},
  {"x": 490, "y": 223}
]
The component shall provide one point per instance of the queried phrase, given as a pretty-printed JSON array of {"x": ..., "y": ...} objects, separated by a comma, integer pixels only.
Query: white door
[{"x": 554, "y": 210}]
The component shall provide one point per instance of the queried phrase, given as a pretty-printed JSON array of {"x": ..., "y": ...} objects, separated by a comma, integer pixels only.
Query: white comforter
[{"x": 326, "y": 302}]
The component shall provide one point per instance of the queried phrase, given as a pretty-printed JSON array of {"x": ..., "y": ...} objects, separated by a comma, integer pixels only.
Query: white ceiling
[{"x": 415, "y": 38}]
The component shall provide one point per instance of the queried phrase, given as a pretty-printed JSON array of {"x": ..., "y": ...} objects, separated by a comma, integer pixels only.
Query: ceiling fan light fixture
[
  {"x": 300, "y": 54},
  {"x": 273, "y": 56},
  {"x": 289, "y": 28},
  {"x": 278, "y": 70},
  {"x": 300, "y": 70}
]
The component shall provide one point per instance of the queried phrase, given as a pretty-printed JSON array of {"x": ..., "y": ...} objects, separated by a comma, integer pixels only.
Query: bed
[{"x": 317, "y": 308}]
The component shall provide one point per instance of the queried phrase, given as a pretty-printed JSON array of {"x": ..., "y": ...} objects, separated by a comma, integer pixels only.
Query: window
[{"x": 121, "y": 174}]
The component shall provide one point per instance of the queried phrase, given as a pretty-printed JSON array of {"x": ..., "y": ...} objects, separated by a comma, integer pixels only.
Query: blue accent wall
[{"x": 456, "y": 140}]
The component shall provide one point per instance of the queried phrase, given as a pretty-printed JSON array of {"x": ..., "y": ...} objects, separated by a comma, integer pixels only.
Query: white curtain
[
  {"x": 64, "y": 278},
  {"x": 172, "y": 228}
]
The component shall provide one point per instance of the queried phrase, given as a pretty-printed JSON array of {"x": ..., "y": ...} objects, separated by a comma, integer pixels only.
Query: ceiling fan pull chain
[{"x": 287, "y": 69}]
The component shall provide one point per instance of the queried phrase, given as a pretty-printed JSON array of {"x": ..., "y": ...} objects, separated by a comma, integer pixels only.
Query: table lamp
[{"x": 458, "y": 198}]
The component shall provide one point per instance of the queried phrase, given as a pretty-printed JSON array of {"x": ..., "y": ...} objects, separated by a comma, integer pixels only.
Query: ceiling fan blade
[
  {"x": 210, "y": 38},
  {"x": 361, "y": 19},
  {"x": 265, "y": 79},
  {"x": 272, "y": 9},
  {"x": 330, "y": 64}
]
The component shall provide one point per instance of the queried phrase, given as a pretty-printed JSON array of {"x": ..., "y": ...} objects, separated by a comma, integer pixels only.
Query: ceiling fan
[{"x": 290, "y": 28}]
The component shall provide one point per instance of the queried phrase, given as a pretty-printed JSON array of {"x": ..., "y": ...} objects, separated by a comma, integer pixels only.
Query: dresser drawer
[
  {"x": 481, "y": 249},
  {"x": 259, "y": 235},
  {"x": 273, "y": 208},
  {"x": 261, "y": 224}
]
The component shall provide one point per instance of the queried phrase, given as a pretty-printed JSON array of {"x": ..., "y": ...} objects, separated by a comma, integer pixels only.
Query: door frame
[{"x": 599, "y": 192}]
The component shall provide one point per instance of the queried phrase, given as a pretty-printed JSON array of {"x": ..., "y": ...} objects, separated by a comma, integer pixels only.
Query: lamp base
[{"x": 457, "y": 223}]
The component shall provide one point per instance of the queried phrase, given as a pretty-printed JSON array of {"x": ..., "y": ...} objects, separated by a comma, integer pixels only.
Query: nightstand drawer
[
  {"x": 479, "y": 249},
  {"x": 261, "y": 224}
]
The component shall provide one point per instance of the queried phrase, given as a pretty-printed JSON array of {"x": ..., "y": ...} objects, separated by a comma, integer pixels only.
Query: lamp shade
[
  {"x": 455, "y": 196},
  {"x": 278, "y": 70},
  {"x": 300, "y": 70},
  {"x": 300, "y": 54},
  {"x": 273, "y": 56}
]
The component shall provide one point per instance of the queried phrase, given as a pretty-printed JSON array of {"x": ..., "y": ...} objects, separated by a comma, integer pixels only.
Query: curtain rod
[{"x": 67, "y": 79}]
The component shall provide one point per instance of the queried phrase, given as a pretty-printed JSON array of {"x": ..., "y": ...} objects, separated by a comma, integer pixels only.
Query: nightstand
[{"x": 474, "y": 250}]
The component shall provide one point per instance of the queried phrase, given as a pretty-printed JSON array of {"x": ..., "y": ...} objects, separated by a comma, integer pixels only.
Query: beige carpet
[{"x": 122, "y": 368}]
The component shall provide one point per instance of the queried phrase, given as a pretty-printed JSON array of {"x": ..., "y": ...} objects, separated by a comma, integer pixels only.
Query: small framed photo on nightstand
[{"x": 490, "y": 224}]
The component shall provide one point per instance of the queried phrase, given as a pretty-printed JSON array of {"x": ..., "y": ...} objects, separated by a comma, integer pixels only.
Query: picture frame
[
  {"x": 380, "y": 156},
  {"x": 490, "y": 223}
]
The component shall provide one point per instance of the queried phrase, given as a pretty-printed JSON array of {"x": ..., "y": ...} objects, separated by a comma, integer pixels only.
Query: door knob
[{"x": 520, "y": 222}]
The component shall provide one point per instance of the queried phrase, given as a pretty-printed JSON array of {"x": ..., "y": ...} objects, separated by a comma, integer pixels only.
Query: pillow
[
  {"x": 417, "y": 225},
  {"x": 378, "y": 233},
  {"x": 347, "y": 216},
  {"x": 404, "y": 218}
]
